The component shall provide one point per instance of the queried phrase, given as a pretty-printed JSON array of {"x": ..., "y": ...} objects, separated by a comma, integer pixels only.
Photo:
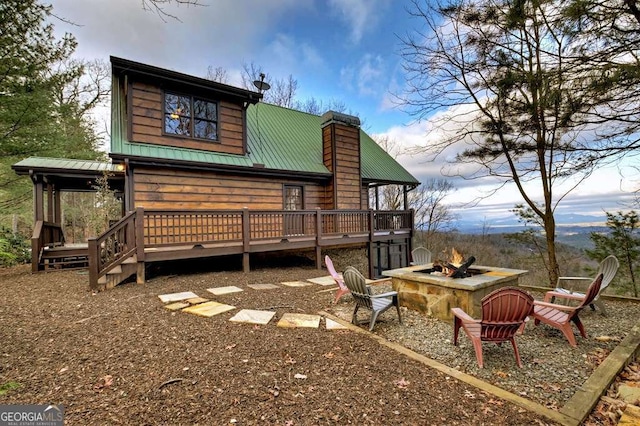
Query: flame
[{"x": 457, "y": 258}]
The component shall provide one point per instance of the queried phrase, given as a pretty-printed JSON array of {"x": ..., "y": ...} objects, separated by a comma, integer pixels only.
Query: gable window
[{"x": 191, "y": 117}]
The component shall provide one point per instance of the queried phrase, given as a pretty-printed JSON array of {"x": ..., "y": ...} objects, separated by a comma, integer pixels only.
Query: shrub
[{"x": 14, "y": 248}]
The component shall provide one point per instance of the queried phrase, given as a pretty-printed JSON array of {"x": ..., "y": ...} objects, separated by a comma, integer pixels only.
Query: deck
[{"x": 161, "y": 235}]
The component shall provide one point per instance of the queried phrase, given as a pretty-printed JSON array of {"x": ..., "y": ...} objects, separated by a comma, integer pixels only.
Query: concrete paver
[
  {"x": 290, "y": 320},
  {"x": 218, "y": 291},
  {"x": 262, "y": 286},
  {"x": 251, "y": 316},
  {"x": 176, "y": 297},
  {"x": 208, "y": 309}
]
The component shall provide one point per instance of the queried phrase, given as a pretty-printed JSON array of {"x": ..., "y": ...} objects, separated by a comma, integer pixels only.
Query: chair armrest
[
  {"x": 562, "y": 295},
  {"x": 572, "y": 281},
  {"x": 464, "y": 317},
  {"x": 553, "y": 305},
  {"x": 387, "y": 294}
]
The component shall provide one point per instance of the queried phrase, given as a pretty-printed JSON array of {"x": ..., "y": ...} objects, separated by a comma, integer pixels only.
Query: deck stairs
[{"x": 119, "y": 273}]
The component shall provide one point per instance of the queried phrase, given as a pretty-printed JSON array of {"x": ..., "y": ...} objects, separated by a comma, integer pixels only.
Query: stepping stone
[
  {"x": 217, "y": 291},
  {"x": 299, "y": 320},
  {"x": 328, "y": 280},
  {"x": 262, "y": 286},
  {"x": 334, "y": 325},
  {"x": 251, "y": 316},
  {"x": 196, "y": 300},
  {"x": 208, "y": 309},
  {"x": 176, "y": 297},
  {"x": 176, "y": 306},
  {"x": 295, "y": 283}
]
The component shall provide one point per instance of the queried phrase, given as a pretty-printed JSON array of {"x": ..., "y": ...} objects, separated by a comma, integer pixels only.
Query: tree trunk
[{"x": 550, "y": 233}]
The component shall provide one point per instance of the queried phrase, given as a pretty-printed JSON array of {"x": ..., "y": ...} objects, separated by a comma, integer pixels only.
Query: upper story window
[{"x": 190, "y": 117}]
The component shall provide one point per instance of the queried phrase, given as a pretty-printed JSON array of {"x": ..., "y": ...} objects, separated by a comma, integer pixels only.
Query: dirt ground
[{"x": 120, "y": 357}]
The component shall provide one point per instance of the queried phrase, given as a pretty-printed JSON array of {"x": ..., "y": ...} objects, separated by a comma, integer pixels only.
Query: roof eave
[{"x": 132, "y": 67}]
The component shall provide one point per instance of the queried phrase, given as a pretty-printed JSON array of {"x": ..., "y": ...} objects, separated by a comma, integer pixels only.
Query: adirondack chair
[
  {"x": 420, "y": 256},
  {"x": 608, "y": 268},
  {"x": 561, "y": 316},
  {"x": 342, "y": 288},
  {"x": 503, "y": 313},
  {"x": 361, "y": 293}
]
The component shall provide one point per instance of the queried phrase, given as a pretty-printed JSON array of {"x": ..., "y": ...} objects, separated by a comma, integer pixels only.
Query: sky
[{"x": 344, "y": 50}]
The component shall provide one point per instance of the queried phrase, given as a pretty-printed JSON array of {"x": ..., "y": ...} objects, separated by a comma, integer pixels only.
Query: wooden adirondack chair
[
  {"x": 561, "y": 316},
  {"x": 608, "y": 268},
  {"x": 361, "y": 293},
  {"x": 420, "y": 256},
  {"x": 342, "y": 288},
  {"x": 503, "y": 313}
]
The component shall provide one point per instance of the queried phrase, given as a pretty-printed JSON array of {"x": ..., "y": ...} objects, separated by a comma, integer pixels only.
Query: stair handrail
[
  {"x": 113, "y": 246},
  {"x": 44, "y": 234}
]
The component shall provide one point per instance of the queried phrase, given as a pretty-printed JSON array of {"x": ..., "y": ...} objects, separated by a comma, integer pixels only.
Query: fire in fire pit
[{"x": 456, "y": 266}]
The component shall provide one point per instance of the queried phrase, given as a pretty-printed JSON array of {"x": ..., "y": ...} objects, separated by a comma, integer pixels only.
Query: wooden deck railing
[
  {"x": 163, "y": 228},
  {"x": 171, "y": 234},
  {"x": 45, "y": 234}
]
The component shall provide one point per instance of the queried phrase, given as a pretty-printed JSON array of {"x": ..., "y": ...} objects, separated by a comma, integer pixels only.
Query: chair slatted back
[
  {"x": 592, "y": 292},
  {"x": 421, "y": 256},
  {"x": 608, "y": 269},
  {"x": 503, "y": 312},
  {"x": 357, "y": 284}
]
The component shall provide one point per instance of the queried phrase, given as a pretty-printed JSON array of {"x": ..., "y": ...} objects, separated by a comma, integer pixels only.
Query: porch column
[
  {"x": 404, "y": 198},
  {"x": 38, "y": 197},
  {"x": 50, "y": 203},
  {"x": 57, "y": 212},
  {"x": 377, "y": 197}
]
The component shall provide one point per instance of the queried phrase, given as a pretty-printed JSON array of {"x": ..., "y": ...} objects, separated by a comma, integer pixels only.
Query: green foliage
[
  {"x": 14, "y": 248},
  {"x": 8, "y": 386},
  {"x": 106, "y": 208},
  {"x": 623, "y": 242},
  {"x": 36, "y": 117}
]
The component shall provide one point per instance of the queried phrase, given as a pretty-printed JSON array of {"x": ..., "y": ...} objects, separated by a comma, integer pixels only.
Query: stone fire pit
[{"x": 433, "y": 294}]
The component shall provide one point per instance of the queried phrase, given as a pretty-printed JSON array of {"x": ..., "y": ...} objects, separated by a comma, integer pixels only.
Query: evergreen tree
[
  {"x": 623, "y": 242},
  {"x": 33, "y": 121}
]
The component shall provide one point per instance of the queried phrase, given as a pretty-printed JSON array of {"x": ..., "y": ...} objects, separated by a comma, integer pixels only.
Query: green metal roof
[
  {"x": 281, "y": 139},
  {"x": 44, "y": 163}
]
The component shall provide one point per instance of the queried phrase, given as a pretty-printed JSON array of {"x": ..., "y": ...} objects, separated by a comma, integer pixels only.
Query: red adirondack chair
[
  {"x": 342, "y": 288},
  {"x": 561, "y": 316},
  {"x": 503, "y": 313}
]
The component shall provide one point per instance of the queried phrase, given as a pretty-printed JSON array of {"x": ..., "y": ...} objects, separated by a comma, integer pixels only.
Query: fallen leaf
[
  {"x": 502, "y": 374},
  {"x": 495, "y": 402},
  {"x": 290, "y": 361},
  {"x": 104, "y": 382},
  {"x": 402, "y": 383},
  {"x": 328, "y": 355},
  {"x": 469, "y": 394},
  {"x": 63, "y": 369},
  {"x": 231, "y": 346},
  {"x": 299, "y": 376},
  {"x": 288, "y": 423}
]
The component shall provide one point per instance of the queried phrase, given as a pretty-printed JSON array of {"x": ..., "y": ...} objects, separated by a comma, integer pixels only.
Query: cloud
[
  {"x": 286, "y": 55},
  {"x": 360, "y": 15},
  {"x": 205, "y": 35},
  {"x": 367, "y": 77}
]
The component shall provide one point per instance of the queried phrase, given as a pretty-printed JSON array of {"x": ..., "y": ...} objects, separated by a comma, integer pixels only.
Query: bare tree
[
  {"x": 218, "y": 74},
  {"x": 513, "y": 92},
  {"x": 159, "y": 6}
]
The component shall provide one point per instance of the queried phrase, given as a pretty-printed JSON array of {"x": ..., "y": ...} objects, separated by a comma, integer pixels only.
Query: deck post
[
  {"x": 371, "y": 247},
  {"x": 93, "y": 254},
  {"x": 246, "y": 238},
  {"x": 318, "y": 238},
  {"x": 139, "y": 242}
]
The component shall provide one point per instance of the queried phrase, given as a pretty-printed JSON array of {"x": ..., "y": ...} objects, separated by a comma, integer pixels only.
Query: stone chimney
[{"x": 341, "y": 155}]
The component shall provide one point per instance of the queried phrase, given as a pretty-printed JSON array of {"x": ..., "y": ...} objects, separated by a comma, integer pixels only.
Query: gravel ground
[{"x": 552, "y": 369}]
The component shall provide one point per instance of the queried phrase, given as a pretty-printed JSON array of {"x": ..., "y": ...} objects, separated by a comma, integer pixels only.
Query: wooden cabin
[{"x": 207, "y": 169}]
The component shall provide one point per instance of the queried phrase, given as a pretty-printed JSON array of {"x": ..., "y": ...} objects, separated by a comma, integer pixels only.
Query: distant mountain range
[{"x": 572, "y": 229}]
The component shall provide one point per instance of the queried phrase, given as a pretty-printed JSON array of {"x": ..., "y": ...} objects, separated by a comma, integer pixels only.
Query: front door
[{"x": 293, "y": 200}]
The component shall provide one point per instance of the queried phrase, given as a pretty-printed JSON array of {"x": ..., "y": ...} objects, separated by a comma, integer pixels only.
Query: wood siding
[
  {"x": 341, "y": 155},
  {"x": 146, "y": 112},
  {"x": 177, "y": 189}
]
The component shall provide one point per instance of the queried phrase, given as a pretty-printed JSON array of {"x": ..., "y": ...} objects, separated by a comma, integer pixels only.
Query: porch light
[{"x": 120, "y": 167}]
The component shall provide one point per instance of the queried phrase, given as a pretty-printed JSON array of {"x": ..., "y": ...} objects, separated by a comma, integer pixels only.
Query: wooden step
[
  {"x": 115, "y": 270},
  {"x": 129, "y": 260}
]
